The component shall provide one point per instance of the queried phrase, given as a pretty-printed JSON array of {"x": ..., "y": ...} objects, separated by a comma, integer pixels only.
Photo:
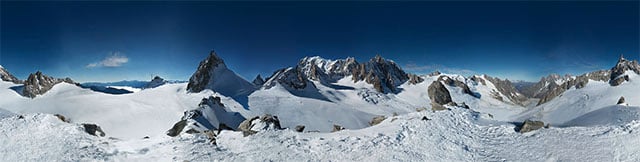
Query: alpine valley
[{"x": 321, "y": 109}]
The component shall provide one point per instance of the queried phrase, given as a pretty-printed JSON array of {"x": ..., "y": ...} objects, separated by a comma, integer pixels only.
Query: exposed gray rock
[
  {"x": 530, "y": 125},
  {"x": 415, "y": 79},
  {"x": 258, "y": 81},
  {"x": 623, "y": 65},
  {"x": 377, "y": 120},
  {"x": 438, "y": 93},
  {"x": 577, "y": 82},
  {"x": 62, "y": 117},
  {"x": 255, "y": 124},
  {"x": 435, "y": 73},
  {"x": 210, "y": 115},
  {"x": 93, "y": 129},
  {"x": 478, "y": 79},
  {"x": 337, "y": 128},
  {"x": 6, "y": 76},
  {"x": 201, "y": 77},
  {"x": 299, "y": 128},
  {"x": 506, "y": 88},
  {"x": 456, "y": 83},
  {"x": 621, "y": 100},
  {"x": 38, "y": 83},
  {"x": 177, "y": 128}
]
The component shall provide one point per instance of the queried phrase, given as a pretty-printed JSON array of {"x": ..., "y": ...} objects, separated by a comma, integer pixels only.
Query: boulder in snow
[
  {"x": 93, "y": 129},
  {"x": 439, "y": 95},
  {"x": 377, "y": 120},
  {"x": 300, "y": 128},
  {"x": 621, "y": 101},
  {"x": 530, "y": 125},
  {"x": 337, "y": 128},
  {"x": 256, "y": 124}
]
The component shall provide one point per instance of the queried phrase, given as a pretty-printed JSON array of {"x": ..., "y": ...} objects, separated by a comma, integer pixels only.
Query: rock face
[
  {"x": 213, "y": 74},
  {"x": 258, "y": 81},
  {"x": 384, "y": 75},
  {"x": 457, "y": 83},
  {"x": 337, "y": 128},
  {"x": 439, "y": 95},
  {"x": 38, "y": 83},
  {"x": 155, "y": 82},
  {"x": 6, "y": 76},
  {"x": 621, "y": 100},
  {"x": 211, "y": 114},
  {"x": 93, "y": 129},
  {"x": 415, "y": 79},
  {"x": 506, "y": 88},
  {"x": 545, "y": 85},
  {"x": 377, "y": 120},
  {"x": 256, "y": 124},
  {"x": 618, "y": 72},
  {"x": 530, "y": 125}
]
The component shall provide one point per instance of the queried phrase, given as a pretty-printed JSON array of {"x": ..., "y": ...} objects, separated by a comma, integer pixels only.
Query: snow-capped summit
[
  {"x": 156, "y": 82},
  {"x": 385, "y": 75},
  {"x": 38, "y": 83},
  {"x": 213, "y": 74},
  {"x": 542, "y": 87},
  {"x": 6, "y": 76},
  {"x": 618, "y": 72}
]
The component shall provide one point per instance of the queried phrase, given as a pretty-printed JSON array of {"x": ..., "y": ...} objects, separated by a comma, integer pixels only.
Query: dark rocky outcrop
[
  {"x": 415, "y": 79},
  {"x": 623, "y": 65},
  {"x": 210, "y": 115},
  {"x": 255, "y": 124},
  {"x": 456, "y": 83},
  {"x": 377, "y": 120},
  {"x": 530, "y": 125},
  {"x": 577, "y": 82},
  {"x": 258, "y": 81},
  {"x": 201, "y": 77},
  {"x": 62, "y": 118},
  {"x": 621, "y": 100},
  {"x": 299, "y": 128},
  {"x": 506, "y": 88},
  {"x": 6, "y": 76},
  {"x": 337, "y": 128},
  {"x": 38, "y": 83},
  {"x": 155, "y": 82},
  {"x": 439, "y": 95},
  {"x": 93, "y": 129}
]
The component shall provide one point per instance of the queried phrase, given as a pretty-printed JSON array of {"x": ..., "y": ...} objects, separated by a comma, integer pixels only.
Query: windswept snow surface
[
  {"x": 456, "y": 135},
  {"x": 147, "y": 113}
]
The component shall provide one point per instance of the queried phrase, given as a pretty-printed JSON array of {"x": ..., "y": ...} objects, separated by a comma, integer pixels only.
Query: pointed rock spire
[{"x": 258, "y": 80}]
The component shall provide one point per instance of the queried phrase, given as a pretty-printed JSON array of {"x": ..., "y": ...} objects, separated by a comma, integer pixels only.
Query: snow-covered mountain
[
  {"x": 38, "y": 84},
  {"x": 6, "y": 76},
  {"x": 437, "y": 117}
]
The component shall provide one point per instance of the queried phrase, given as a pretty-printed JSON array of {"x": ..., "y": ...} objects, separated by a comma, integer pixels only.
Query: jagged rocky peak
[
  {"x": 38, "y": 83},
  {"x": 506, "y": 88},
  {"x": 383, "y": 74},
  {"x": 415, "y": 79},
  {"x": 618, "y": 75},
  {"x": 455, "y": 82},
  {"x": 258, "y": 81},
  {"x": 6, "y": 76},
  {"x": 213, "y": 74},
  {"x": 202, "y": 76},
  {"x": 156, "y": 82}
]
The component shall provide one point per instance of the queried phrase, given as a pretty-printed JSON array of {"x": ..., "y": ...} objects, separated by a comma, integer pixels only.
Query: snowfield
[
  {"x": 456, "y": 135},
  {"x": 586, "y": 124}
]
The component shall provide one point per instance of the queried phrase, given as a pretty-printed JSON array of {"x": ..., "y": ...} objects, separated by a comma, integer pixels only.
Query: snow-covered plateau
[{"x": 328, "y": 110}]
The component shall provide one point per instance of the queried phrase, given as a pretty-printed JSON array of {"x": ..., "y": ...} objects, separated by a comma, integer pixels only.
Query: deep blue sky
[{"x": 515, "y": 40}]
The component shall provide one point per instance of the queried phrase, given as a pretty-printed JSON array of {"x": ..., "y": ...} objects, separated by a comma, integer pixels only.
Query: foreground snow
[{"x": 456, "y": 135}]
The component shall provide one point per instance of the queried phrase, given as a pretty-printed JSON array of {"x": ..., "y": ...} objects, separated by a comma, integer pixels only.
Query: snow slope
[
  {"x": 147, "y": 113},
  {"x": 456, "y": 135},
  {"x": 574, "y": 102}
]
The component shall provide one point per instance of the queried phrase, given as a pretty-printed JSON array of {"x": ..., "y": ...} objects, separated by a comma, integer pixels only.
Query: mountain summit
[
  {"x": 213, "y": 74},
  {"x": 6, "y": 76}
]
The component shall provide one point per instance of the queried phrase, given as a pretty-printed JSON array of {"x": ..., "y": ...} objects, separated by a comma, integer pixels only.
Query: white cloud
[{"x": 114, "y": 60}]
